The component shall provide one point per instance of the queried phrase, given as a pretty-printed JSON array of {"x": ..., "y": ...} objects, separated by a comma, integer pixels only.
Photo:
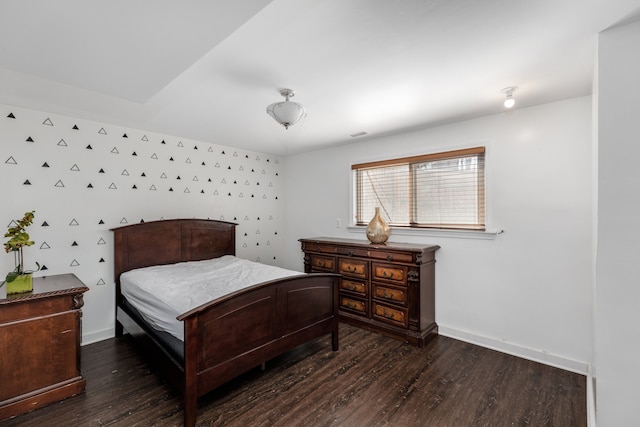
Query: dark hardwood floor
[{"x": 371, "y": 381}]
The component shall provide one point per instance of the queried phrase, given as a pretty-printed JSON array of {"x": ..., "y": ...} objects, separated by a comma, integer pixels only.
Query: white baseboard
[
  {"x": 567, "y": 364},
  {"x": 591, "y": 401},
  {"x": 577, "y": 366},
  {"x": 98, "y": 336}
]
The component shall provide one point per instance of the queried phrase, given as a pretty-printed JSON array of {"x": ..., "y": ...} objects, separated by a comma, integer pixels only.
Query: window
[{"x": 440, "y": 190}]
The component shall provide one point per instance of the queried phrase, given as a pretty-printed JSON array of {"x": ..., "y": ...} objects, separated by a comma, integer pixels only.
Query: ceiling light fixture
[
  {"x": 286, "y": 113},
  {"x": 508, "y": 91}
]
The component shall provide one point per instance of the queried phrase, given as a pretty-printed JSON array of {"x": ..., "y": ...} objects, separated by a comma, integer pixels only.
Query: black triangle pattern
[{"x": 117, "y": 148}]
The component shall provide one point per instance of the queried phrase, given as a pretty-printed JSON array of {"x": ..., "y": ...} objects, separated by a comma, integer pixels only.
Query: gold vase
[
  {"x": 21, "y": 284},
  {"x": 378, "y": 230}
]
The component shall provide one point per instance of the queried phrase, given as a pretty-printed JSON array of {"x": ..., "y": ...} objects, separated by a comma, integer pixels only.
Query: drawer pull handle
[
  {"x": 388, "y": 315},
  {"x": 387, "y": 274},
  {"x": 387, "y": 294},
  {"x": 389, "y": 257},
  {"x": 350, "y": 253}
]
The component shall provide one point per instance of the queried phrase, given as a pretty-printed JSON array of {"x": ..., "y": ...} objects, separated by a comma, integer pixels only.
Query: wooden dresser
[
  {"x": 388, "y": 288},
  {"x": 40, "y": 344}
]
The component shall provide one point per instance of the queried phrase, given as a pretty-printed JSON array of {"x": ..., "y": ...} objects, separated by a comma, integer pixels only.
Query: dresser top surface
[
  {"x": 45, "y": 287},
  {"x": 393, "y": 246}
]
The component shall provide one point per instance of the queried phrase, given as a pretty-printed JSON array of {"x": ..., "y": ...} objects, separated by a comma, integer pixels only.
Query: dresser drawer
[
  {"x": 393, "y": 256},
  {"x": 353, "y": 267},
  {"x": 323, "y": 263},
  {"x": 393, "y": 315},
  {"x": 354, "y": 286},
  {"x": 353, "y": 305},
  {"x": 390, "y": 293},
  {"x": 318, "y": 247},
  {"x": 25, "y": 309},
  {"x": 391, "y": 273},
  {"x": 353, "y": 251}
]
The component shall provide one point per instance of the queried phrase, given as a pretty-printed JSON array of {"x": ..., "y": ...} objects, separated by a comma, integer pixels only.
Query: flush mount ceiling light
[
  {"x": 508, "y": 91},
  {"x": 286, "y": 113}
]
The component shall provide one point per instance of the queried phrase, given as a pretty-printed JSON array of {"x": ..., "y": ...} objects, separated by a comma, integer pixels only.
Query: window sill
[{"x": 432, "y": 232}]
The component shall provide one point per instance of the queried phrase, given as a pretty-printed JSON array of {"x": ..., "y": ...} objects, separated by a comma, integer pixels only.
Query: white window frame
[{"x": 489, "y": 232}]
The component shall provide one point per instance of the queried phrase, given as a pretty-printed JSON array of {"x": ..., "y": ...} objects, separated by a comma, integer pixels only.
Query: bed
[{"x": 231, "y": 334}]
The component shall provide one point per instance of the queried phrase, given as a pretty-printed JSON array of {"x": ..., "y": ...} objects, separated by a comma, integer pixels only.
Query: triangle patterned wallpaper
[{"x": 83, "y": 178}]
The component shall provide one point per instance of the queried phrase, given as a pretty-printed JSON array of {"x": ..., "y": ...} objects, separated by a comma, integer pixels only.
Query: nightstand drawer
[
  {"x": 353, "y": 267},
  {"x": 389, "y": 272}
]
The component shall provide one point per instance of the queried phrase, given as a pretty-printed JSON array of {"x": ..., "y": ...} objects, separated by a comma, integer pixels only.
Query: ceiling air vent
[{"x": 355, "y": 135}]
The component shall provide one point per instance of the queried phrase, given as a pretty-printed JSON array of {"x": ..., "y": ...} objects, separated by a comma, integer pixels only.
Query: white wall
[
  {"x": 84, "y": 178},
  {"x": 617, "y": 308},
  {"x": 528, "y": 290}
]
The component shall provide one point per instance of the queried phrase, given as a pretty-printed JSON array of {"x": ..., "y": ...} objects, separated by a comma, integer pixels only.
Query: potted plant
[{"x": 19, "y": 280}]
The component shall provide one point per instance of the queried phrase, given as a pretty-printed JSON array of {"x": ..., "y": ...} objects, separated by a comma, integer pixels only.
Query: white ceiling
[{"x": 206, "y": 70}]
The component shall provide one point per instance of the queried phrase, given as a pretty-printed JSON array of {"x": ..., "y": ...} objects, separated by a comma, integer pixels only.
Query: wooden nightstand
[{"x": 40, "y": 344}]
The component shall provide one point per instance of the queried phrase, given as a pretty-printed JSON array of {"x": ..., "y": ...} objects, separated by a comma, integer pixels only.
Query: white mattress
[{"x": 161, "y": 293}]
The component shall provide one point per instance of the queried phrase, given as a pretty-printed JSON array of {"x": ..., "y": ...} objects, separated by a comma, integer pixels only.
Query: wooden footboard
[
  {"x": 233, "y": 334},
  {"x": 239, "y": 332}
]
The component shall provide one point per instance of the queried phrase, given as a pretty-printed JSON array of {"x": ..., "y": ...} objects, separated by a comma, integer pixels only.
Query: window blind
[{"x": 440, "y": 190}]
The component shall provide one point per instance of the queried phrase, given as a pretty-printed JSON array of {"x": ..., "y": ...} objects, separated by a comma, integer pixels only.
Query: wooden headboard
[{"x": 170, "y": 241}]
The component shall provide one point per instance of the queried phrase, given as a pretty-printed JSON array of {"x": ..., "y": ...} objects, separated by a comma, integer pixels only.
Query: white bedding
[{"x": 161, "y": 293}]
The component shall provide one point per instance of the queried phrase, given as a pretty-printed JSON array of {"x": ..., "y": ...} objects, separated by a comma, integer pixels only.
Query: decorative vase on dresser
[
  {"x": 387, "y": 288},
  {"x": 378, "y": 230}
]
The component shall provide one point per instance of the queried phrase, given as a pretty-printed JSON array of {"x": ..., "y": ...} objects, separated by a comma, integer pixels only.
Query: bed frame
[{"x": 228, "y": 336}]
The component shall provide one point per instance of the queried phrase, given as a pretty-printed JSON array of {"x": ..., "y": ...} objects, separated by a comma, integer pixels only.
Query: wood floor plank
[{"x": 371, "y": 381}]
